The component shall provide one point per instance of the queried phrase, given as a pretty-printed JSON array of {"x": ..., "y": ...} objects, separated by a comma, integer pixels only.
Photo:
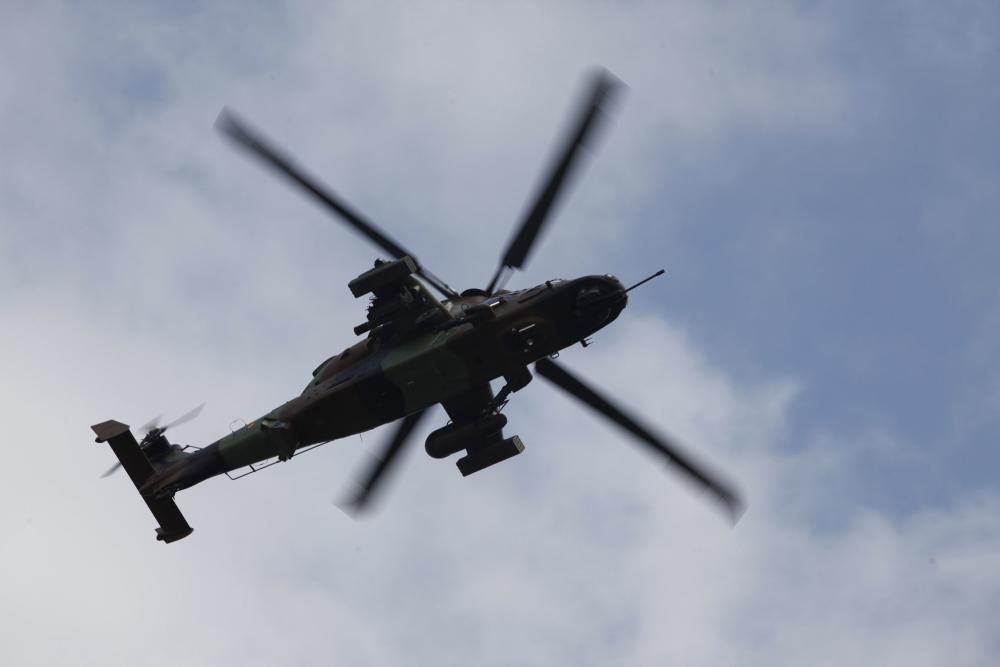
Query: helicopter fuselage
[{"x": 382, "y": 379}]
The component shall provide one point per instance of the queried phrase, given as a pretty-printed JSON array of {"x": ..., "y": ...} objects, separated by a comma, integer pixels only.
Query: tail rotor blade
[
  {"x": 152, "y": 424},
  {"x": 112, "y": 470},
  {"x": 186, "y": 417},
  {"x": 572, "y": 385},
  {"x": 603, "y": 86},
  {"x": 368, "y": 487}
]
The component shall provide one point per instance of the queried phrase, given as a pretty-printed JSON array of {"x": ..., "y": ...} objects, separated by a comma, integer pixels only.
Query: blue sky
[
  {"x": 819, "y": 180},
  {"x": 862, "y": 259}
]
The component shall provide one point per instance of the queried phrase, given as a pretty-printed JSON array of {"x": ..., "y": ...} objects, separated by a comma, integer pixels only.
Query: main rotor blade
[
  {"x": 368, "y": 488},
  {"x": 237, "y": 130},
  {"x": 112, "y": 470},
  {"x": 602, "y": 87},
  {"x": 563, "y": 379}
]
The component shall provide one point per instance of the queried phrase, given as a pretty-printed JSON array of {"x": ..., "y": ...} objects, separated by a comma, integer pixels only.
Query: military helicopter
[{"x": 418, "y": 351}]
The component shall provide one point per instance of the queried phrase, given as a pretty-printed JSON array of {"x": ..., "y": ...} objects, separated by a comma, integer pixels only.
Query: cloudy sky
[{"x": 820, "y": 181}]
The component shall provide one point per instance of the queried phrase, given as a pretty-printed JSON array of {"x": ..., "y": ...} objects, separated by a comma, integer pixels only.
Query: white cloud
[{"x": 583, "y": 550}]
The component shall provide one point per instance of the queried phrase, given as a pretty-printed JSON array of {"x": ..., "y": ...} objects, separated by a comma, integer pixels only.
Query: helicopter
[{"x": 418, "y": 351}]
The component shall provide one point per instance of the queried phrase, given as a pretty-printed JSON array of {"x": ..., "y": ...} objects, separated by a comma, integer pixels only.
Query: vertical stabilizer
[{"x": 173, "y": 526}]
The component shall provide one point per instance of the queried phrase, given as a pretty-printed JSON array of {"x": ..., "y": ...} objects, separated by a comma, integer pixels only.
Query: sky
[{"x": 819, "y": 180}]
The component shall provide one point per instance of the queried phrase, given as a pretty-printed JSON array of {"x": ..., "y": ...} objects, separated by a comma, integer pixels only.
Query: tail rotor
[{"x": 153, "y": 443}]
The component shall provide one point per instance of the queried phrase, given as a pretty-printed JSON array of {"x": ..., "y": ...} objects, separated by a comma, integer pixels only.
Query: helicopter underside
[{"x": 421, "y": 351}]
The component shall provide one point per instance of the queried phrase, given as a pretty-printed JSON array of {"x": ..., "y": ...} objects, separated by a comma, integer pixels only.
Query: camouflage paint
[{"x": 373, "y": 383}]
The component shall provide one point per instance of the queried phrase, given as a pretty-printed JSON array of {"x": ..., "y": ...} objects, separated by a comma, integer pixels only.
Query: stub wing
[{"x": 173, "y": 525}]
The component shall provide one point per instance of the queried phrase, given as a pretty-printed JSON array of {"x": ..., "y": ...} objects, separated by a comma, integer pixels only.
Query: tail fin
[{"x": 173, "y": 526}]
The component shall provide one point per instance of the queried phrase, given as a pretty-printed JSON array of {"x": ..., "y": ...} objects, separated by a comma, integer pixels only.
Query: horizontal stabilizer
[{"x": 173, "y": 526}]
